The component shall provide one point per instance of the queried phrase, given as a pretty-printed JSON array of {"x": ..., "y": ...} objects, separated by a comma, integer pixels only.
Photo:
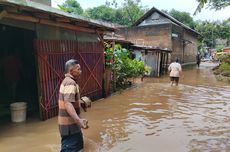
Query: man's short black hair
[
  {"x": 177, "y": 60},
  {"x": 70, "y": 63}
]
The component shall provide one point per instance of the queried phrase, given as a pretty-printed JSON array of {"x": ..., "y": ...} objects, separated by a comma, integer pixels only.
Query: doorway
[{"x": 17, "y": 70}]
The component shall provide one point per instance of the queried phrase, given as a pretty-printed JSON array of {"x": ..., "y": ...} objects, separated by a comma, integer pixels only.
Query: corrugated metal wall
[{"x": 51, "y": 57}]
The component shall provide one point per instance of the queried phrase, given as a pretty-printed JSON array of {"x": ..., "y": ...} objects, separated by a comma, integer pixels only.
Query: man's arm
[
  {"x": 71, "y": 111},
  {"x": 69, "y": 97},
  {"x": 169, "y": 68},
  {"x": 180, "y": 68}
]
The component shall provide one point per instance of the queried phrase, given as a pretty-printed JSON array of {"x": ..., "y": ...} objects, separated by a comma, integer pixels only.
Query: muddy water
[{"x": 152, "y": 116}]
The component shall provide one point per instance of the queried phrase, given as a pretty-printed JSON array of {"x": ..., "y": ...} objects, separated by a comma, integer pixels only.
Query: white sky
[{"x": 180, "y": 5}]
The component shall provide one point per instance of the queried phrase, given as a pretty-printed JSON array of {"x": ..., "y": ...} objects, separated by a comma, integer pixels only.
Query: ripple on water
[{"x": 197, "y": 115}]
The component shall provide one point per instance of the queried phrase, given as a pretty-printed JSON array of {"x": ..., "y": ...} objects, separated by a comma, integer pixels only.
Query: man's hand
[
  {"x": 71, "y": 111},
  {"x": 83, "y": 123}
]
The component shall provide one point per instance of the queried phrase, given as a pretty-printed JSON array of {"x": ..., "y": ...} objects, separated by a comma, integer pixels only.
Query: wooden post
[
  {"x": 159, "y": 64},
  {"x": 166, "y": 62},
  {"x": 163, "y": 62},
  {"x": 114, "y": 72}
]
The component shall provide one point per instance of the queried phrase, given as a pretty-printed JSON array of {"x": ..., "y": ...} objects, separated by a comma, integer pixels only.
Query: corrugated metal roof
[
  {"x": 151, "y": 48},
  {"x": 116, "y": 38},
  {"x": 33, "y": 6}
]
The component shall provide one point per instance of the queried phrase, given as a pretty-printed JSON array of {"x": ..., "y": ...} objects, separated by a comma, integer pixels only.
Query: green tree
[
  {"x": 209, "y": 33},
  {"x": 213, "y": 4},
  {"x": 126, "y": 14},
  {"x": 183, "y": 17},
  {"x": 224, "y": 31},
  {"x": 102, "y": 12},
  {"x": 71, "y": 6},
  {"x": 132, "y": 11}
]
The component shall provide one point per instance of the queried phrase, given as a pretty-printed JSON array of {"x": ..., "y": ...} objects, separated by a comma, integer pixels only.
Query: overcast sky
[{"x": 180, "y": 5}]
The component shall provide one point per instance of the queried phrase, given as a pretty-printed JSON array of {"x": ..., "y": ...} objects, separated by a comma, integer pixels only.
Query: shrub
[
  {"x": 108, "y": 53},
  {"x": 225, "y": 58},
  {"x": 224, "y": 67},
  {"x": 125, "y": 68},
  {"x": 219, "y": 48}
]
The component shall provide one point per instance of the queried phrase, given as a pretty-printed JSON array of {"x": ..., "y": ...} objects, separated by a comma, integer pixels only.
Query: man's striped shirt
[{"x": 69, "y": 92}]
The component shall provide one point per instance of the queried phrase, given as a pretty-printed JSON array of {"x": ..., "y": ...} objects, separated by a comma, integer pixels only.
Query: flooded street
[{"x": 152, "y": 116}]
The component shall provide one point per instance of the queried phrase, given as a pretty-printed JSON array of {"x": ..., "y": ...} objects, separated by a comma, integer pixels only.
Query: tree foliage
[
  {"x": 71, "y": 6},
  {"x": 126, "y": 14},
  {"x": 208, "y": 33},
  {"x": 211, "y": 31},
  {"x": 132, "y": 10},
  {"x": 119, "y": 61},
  {"x": 102, "y": 12},
  {"x": 224, "y": 31},
  {"x": 125, "y": 67},
  {"x": 183, "y": 17},
  {"x": 213, "y": 4}
]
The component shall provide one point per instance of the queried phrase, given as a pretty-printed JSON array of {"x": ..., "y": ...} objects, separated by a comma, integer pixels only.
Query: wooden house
[{"x": 43, "y": 39}]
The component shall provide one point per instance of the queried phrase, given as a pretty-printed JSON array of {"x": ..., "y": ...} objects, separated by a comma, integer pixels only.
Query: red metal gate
[{"x": 51, "y": 57}]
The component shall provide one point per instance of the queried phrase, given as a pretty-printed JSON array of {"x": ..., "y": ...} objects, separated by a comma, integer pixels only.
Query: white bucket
[{"x": 18, "y": 111}]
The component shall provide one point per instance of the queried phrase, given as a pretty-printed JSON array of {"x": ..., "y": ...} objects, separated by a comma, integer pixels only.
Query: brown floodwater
[{"x": 151, "y": 116}]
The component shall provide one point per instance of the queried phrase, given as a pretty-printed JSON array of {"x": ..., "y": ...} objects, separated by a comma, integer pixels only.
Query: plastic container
[{"x": 18, "y": 111}]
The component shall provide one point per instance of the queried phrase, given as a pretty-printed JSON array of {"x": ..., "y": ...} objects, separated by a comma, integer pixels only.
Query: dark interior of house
[{"x": 18, "y": 80}]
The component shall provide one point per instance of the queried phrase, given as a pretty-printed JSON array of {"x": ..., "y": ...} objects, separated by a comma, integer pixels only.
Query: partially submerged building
[
  {"x": 158, "y": 29},
  {"x": 154, "y": 57},
  {"x": 39, "y": 39}
]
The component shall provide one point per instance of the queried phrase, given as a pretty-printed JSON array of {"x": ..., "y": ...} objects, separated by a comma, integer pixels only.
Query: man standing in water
[
  {"x": 175, "y": 71},
  {"x": 69, "y": 120},
  {"x": 198, "y": 59}
]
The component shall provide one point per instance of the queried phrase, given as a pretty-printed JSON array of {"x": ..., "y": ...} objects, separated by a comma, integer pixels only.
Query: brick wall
[
  {"x": 177, "y": 49},
  {"x": 148, "y": 35},
  {"x": 190, "y": 49},
  {"x": 177, "y": 43},
  {"x": 169, "y": 36},
  {"x": 184, "y": 46}
]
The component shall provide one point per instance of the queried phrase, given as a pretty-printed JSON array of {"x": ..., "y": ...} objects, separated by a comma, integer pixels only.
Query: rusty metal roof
[
  {"x": 116, "y": 38},
  {"x": 151, "y": 48},
  {"x": 37, "y": 7}
]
